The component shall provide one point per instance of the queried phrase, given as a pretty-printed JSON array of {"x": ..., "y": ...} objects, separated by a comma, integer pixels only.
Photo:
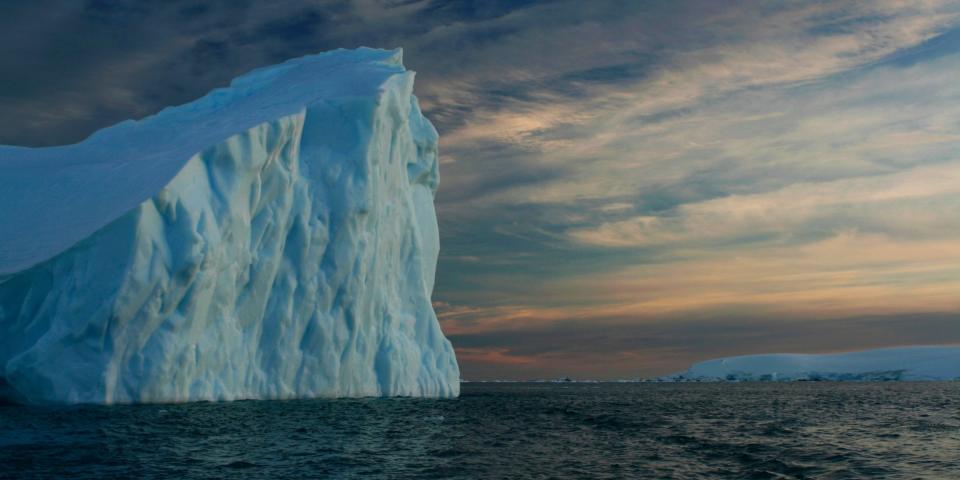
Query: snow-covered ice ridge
[
  {"x": 274, "y": 239},
  {"x": 898, "y": 363}
]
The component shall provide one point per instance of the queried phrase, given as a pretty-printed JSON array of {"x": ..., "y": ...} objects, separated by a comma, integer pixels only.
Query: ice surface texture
[
  {"x": 900, "y": 363},
  {"x": 273, "y": 239}
]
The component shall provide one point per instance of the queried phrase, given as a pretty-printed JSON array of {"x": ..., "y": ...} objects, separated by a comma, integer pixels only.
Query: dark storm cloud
[
  {"x": 71, "y": 67},
  {"x": 105, "y": 60}
]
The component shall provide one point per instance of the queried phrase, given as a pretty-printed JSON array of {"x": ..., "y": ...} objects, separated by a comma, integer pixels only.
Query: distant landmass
[{"x": 885, "y": 364}]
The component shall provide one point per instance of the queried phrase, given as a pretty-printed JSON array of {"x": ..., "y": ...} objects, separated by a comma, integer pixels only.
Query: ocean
[{"x": 509, "y": 430}]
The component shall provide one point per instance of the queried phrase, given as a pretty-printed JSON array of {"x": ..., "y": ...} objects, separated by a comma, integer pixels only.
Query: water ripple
[{"x": 517, "y": 431}]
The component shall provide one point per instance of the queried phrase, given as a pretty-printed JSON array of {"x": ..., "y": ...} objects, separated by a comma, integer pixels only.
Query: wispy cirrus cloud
[
  {"x": 605, "y": 125},
  {"x": 921, "y": 202}
]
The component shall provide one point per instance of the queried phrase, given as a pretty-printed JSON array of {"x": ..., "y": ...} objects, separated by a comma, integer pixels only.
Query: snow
[
  {"x": 273, "y": 239},
  {"x": 897, "y": 363}
]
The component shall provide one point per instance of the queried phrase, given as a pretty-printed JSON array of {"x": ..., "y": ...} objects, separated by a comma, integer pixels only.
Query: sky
[{"x": 627, "y": 187}]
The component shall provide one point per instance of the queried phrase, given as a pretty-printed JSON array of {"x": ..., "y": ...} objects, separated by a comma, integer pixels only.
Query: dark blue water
[{"x": 796, "y": 430}]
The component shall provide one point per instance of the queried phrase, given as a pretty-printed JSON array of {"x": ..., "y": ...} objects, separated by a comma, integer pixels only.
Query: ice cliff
[
  {"x": 899, "y": 363},
  {"x": 273, "y": 239}
]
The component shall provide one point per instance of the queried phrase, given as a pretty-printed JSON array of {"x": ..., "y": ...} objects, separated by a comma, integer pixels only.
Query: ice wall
[{"x": 274, "y": 239}]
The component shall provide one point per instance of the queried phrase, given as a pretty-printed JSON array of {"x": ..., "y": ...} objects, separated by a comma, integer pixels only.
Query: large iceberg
[
  {"x": 897, "y": 363},
  {"x": 274, "y": 239}
]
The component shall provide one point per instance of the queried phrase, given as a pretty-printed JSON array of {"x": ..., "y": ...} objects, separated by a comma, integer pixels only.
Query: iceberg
[
  {"x": 897, "y": 363},
  {"x": 276, "y": 238}
]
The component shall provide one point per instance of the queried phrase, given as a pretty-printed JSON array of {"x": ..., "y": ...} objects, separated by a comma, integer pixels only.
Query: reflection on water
[{"x": 798, "y": 430}]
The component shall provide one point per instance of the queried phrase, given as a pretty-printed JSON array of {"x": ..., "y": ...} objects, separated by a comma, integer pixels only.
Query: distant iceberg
[
  {"x": 899, "y": 363},
  {"x": 274, "y": 239}
]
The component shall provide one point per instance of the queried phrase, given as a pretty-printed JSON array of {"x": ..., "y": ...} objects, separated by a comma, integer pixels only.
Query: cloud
[
  {"x": 846, "y": 274},
  {"x": 615, "y": 348},
  {"x": 597, "y": 135},
  {"x": 918, "y": 202}
]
